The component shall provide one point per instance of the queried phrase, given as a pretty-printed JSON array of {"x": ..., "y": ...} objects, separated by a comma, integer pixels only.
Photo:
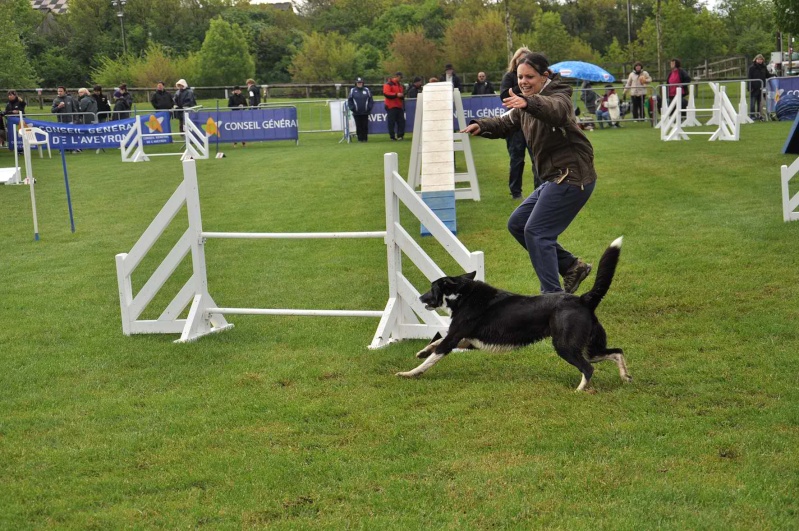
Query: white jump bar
[
  {"x": 322, "y": 313},
  {"x": 292, "y": 235}
]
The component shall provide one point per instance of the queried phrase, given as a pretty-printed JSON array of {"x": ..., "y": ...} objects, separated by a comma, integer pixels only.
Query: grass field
[{"x": 290, "y": 422}]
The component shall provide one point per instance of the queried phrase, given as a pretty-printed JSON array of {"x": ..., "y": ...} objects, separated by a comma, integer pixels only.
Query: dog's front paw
[
  {"x": 627, "y": 378},
  {"x": 408, "y": 374}
]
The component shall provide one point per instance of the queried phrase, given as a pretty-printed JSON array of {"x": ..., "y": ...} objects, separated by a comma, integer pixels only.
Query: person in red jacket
[{"x": 394, "y": 94}]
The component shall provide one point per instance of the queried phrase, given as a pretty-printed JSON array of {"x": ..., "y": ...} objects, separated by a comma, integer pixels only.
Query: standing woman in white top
[{"x": 636, "y": 88}]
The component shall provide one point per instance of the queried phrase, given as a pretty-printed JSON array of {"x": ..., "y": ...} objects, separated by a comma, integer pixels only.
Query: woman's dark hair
[
  {"x": 677, "y": 63},
  {"x": 537, "y": 61}
]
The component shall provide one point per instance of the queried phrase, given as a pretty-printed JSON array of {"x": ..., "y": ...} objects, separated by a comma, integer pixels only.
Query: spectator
[
  {"x": 394, "y": 101},
  {"x": 15, "y": 105},
  {"x": 253, "y": 93},
  {"x": 123, "y": 103},
  {"x": 677, "y": 78},
  {"x": 103, "y": 108},
  {"x": 608, "y": 110},
  {"x": 360, "y": 103},
  {"x": 482, "y": 86},
  {"x": 415, "y": 88},
  {"x": 450, "y": 75},
  {"x": 758, "y": 74},
  {"x": 64, "y": 106},
  {"x": 515, "y": 142},
  {"x": 161, "y": 100},
  {"x": 87, "y": 106},
  {"x": 184, "y": 99},
  {"x": 544, "y": 102},
  {"x": 636, "y": 85},
  {"x": 237, "y": 102}
]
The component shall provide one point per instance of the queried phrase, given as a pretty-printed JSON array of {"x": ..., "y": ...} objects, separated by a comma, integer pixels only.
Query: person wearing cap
[
  {"x": 360, "y": 103},
  {"x": 161, "y": 99},
  {"x": 450, "y": 75},
  {"x": 183, "y": 99},
  {"x": 123, "y": 103},
  {"x": 394, "y": 94},
  {"x": 542, "y": 109},
  {"x": 103, "y": 107},
  {"x": 253, "y": 94},
  {"x": 482, "y": 86},
  {"x": 415, "y": 88},
  {"x": 237, "y": 102}
]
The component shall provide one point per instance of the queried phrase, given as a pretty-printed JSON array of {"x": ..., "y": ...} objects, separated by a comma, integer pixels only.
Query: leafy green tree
[
  {"x": 786, "y": 14},
  {"x": 414, "y": 54},
  {"x": 15, "y": 70},
  {"x": 476, "y": 44},
  {"x": 224, "y": 58},
  {"x": 749, "y": 26},
  {"x": 324, "y": 57},
  {"x": 551, "y": 38}
]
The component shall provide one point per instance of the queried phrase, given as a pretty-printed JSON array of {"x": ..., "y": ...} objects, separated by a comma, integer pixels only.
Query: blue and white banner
[
  {"x": 94, "y": 136},
  {"x": 249, "y": 125},
  {"x": 779, "y": 86},
  {"x": 474, "y": 108}
]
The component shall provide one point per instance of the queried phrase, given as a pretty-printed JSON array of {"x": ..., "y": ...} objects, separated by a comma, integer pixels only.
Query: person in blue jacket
[{"x": 360, "y": 103}]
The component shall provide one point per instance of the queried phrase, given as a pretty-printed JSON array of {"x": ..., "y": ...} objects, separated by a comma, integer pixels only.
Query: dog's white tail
[{"x": 604, "y": 275}]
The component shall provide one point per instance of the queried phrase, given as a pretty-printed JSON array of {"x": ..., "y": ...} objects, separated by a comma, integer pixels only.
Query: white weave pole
[
  {"x": 743, "y": 107},
  {"x": 26, "y": 150},
  {"x": 690, "y": 111}
]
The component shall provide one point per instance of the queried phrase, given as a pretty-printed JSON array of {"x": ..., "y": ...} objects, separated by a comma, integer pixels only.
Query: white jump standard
[{"x": 404, "y": 316}]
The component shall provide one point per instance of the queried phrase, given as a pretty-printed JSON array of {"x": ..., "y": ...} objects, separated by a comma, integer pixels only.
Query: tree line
[{"x": 224, "y": 42}]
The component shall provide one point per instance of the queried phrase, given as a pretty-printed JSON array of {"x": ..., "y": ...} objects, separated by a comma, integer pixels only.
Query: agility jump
[{"x": 404, "y": 316}]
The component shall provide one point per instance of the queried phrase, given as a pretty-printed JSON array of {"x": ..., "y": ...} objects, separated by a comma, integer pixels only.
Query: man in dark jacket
[
  {"x": 237, "y": 102},
  {"x": 253, "y": 93},
  {"x": 360, "y": 103},
  {"x": 758, "y": 74},
  {"x": 450, "y": 75},
  {"x": 87, "y": 106},
  {"x": 103, "y": 108},
  {"x": 482, "y": 86},
  {"x": 161, "y": 99},
  {"x": 123, "y": 103},
  {"x": 414, "y": 89},
  {"x": 65, "y": 107}
]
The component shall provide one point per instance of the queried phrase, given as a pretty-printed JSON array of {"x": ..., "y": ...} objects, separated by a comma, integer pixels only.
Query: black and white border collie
[{"x": 487, "y": 318}]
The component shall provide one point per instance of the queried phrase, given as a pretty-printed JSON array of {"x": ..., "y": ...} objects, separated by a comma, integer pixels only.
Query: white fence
[
  {"x": 132, "y": 145},
  {"x": 404, "y": 316},
  {"x": 672, "y": 122},
  {"x": 789, "y": 204}
]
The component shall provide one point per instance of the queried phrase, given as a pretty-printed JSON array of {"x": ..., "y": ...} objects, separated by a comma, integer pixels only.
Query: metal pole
[
  {"x": 69, "y": 196},
  {"x": 122, "y": 24}
]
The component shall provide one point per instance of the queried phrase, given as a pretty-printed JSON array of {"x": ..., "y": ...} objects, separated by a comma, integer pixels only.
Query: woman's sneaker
[{"x": 575, "y": 275}]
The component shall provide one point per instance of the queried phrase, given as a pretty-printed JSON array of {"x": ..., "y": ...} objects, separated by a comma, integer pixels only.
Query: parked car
[{"x": 784, "y": 66}]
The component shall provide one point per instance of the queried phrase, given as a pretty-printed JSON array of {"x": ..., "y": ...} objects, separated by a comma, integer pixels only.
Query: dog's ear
[{"x": 470, "y": 276}]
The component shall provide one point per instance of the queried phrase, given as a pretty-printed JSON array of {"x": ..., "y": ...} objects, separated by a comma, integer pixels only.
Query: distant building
[{"x": 57, "y": 7}]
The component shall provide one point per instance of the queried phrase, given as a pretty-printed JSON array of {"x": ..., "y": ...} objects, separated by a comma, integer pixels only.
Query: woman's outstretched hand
[
  {"x": 513, "y": 101},
  {"x": 472, "y": 129}
]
